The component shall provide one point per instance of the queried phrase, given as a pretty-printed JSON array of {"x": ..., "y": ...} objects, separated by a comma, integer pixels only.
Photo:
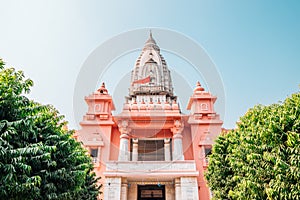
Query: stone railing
[
  {"x": 150, "y": 88},
  {"x": 150, "y": 166}
]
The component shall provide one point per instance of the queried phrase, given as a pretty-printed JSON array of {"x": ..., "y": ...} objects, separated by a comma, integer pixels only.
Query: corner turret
[{"x": 100, "y": 106}]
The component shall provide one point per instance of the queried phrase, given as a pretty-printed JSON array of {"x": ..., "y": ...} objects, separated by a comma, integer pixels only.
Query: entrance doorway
[{"x": 151, "y": 192}]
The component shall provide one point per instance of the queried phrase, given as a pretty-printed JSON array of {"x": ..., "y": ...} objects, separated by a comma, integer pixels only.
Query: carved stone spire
[{"x": 151, "y": 74}]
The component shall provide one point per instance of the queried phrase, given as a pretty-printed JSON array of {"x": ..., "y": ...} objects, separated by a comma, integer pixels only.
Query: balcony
[{"x": 151, "y": 168}]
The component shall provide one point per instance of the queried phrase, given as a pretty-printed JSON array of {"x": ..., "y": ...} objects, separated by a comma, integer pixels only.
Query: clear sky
[{"x": 254, "y": 44}]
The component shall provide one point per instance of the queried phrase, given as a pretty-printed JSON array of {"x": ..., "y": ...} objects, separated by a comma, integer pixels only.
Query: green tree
[
  {"x": 39, "y": 159},
  {"x": 260, "y": 159}
]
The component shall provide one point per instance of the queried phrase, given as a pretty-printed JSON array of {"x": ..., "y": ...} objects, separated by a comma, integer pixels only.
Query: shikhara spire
[{"x": 151, "y": 74}]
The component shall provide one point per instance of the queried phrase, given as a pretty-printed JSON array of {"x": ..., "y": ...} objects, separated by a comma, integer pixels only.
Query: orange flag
[{"x": 142, "y": 81}]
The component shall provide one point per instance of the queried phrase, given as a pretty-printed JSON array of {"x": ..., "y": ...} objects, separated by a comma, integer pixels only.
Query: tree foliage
[
  {"x": 38, "y": 157},
  {"x": 260, "y": 159}
]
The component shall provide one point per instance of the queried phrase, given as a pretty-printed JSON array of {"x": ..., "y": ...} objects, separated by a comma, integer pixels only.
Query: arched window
[{"x": 204, "y": 106}]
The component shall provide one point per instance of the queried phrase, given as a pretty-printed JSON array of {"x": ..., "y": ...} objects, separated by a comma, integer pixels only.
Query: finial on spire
[{"x": 150, "y": 39}]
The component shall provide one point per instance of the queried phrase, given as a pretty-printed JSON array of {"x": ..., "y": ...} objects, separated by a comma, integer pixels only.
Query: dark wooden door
[{"x": 151, "y": 192}]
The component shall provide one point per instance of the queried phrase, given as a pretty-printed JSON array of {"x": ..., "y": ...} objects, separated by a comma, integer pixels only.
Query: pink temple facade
[{"x": 151, "y": 150}]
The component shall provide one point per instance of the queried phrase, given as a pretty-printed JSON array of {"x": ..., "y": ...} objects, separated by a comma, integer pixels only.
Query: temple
[{"x": 151, "y": 150}]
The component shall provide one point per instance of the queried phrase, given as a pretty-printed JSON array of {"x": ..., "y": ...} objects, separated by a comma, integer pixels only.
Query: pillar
[
  {"x": 123, "y": 152},
  {"x": 189, "y": 187},
  {"x": 177, "y": 189},
  {"x": 177, "y": 140},
  {"x": 167, "y": 149},
  {"x": 99, "y": 155},
  {"x": 135, "y": 149},
  {"x": 124, "y": 141},
  {"x": 124, "y": 188},
  {"x": 112, "y": 188},
  {"x": 132, "y": 191}
]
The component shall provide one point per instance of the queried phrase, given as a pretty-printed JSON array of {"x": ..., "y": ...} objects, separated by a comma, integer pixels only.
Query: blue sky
[{"x": 254, "y": 44}]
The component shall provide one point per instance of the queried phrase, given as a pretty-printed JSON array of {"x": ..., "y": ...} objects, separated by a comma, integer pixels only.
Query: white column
[
  {"x": 123, "y": 151},
  {"x": 189, "y": 187},
  {"x": 112, "y": 188},
  {"x": 98, "y": 156},
  {"x": 177, "y": 189},
  {"x": 135, "y": 149},
  {"x": 124, "y": 188},
  {"x": 177, "y": 140},
  {"x": 178, "y": 152},
  {"x": 124, "y": 141},
  {"x": 167, "y": 149}
]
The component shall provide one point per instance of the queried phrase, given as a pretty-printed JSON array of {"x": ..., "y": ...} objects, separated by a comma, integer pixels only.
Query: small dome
[
  {"x": 167, "y": 106},
  {"x": 198, "y": 87},
  {"x": 175, "y": 105},
  {"x": 143, "y": 105},
  {"x": 134, "y": 105},
  {"x": 102, "y": 89}
]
